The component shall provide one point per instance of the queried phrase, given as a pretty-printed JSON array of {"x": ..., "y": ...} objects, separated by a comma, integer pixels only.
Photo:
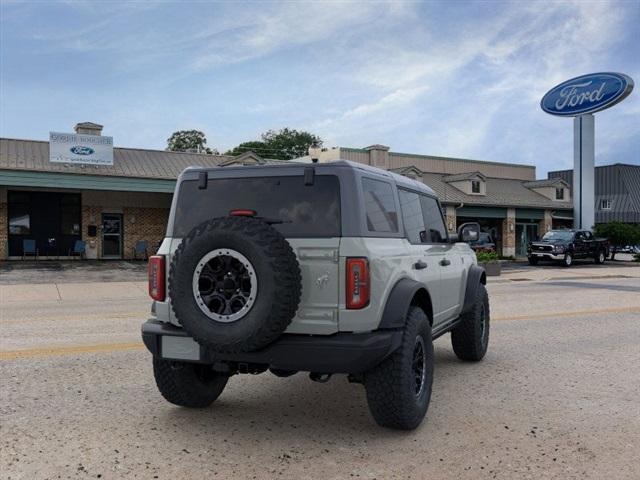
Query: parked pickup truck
[{"x": 566, "y": 245}]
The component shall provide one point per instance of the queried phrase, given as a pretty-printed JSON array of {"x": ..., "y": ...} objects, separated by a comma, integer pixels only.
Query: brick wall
[
  {"x": 509, "y": 233},
  {"x": 148, "y": 224},
  {"x": 4, "y": 227},
  {"x": 92, "y": 215},
  {"x": 545, "y": 224},
  {"x": 450, "y": 218}
]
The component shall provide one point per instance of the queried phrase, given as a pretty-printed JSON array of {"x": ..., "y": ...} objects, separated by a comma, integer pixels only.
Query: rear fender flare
[{"x": 405, "y": 293}]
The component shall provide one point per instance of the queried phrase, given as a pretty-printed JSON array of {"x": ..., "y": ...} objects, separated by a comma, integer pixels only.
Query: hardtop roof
[{"x": 400, "y": 180}]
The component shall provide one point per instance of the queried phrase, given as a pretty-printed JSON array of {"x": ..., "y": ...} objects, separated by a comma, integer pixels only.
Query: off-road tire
[
  {"x": 600, "y": 257},
  {"x": 188, "y": 384},
  {"x": 278, "y": 278},
  {"x": 532, "y": 260},
  {"x": 390, "y": 386},
  {"x": 469, "y": 338},
  {"x": 567, "y": 261}
]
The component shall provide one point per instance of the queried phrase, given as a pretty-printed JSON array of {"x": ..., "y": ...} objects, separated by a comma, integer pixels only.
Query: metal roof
[
  {"x": 547, "y": 182},
  {"x": 499, "y": 192},
  {"x": 33, "y": 155},
  {"x": 463, "y": 176}
]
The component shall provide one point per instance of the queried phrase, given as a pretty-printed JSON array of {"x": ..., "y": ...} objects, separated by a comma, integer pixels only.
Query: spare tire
[{"x": 234, "y": 284}]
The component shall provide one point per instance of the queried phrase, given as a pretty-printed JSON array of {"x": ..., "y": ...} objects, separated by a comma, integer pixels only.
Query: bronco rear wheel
[
  {"x": 234, "y": 284},
  {"x": 399, "y": 389}
]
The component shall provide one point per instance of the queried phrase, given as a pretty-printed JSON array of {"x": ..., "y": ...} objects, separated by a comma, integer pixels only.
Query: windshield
[
  {"x": 303, "y": 210},
  {"x": 558, "y": 235}
]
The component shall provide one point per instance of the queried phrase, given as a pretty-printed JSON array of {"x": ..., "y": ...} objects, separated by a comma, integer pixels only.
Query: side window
[
  {"x": 436, "y": 232},
  {"x": 588, "y": 236},
  {"x": 380, "y": 206},
  {"x": 412, "y": 215}
]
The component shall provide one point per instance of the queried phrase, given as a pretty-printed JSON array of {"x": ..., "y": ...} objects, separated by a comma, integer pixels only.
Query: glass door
[
  {"x": 525, "y": 233},
  {"x": 111, "y": 235}
]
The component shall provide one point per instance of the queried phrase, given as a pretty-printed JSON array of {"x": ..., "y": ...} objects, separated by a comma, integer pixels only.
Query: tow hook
[{"x": 320, "y": 377}]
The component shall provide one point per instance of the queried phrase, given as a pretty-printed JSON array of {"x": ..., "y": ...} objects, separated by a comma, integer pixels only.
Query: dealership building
[{"x": 114, "y": 198}]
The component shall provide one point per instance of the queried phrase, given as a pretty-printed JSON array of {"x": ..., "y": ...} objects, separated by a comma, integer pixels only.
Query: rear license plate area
[{"x": 179, "y": 348}]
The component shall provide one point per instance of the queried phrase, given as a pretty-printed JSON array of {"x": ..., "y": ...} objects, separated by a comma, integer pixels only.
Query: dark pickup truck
[{"x": 566, "y": 245}]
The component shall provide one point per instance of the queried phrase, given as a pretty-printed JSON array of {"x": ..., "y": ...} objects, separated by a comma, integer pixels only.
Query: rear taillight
[
  {"x": 156, "y": 277},
  {"x": 358, "y": 286}
]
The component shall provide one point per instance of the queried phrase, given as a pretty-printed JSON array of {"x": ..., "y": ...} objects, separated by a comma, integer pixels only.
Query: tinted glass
[
  {"x": 411, "y": 215},
  {"x": 558, "y": 235},
  {"x": 19, "y": 219},
  {"x": 380, "y": 206},
  {"x": 436, "y": 232},
  {"x": 70, "y": 219},
  {"x": 305, "y": 210}
]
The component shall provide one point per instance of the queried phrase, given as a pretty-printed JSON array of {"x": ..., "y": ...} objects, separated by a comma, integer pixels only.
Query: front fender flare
[{"x": 475, "y": 277}]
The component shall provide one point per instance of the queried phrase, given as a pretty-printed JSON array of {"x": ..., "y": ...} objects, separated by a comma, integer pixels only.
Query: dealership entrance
[
  {"x": 525, "y": 233},
  {"x": 111, "y": 235}
]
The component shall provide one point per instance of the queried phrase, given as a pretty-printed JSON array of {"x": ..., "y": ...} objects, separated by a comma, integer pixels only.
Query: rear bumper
[{"x": 338, "y": 353}]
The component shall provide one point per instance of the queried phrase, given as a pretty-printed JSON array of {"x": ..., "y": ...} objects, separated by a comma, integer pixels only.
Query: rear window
[{"x": 305, "y": 210}]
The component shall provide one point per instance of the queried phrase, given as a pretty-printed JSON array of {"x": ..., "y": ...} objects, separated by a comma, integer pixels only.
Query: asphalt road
[{"x": 556, "y": 397}]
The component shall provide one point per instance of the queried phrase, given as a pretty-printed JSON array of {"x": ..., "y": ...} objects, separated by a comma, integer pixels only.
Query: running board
[{"x": 444, "y": 328}]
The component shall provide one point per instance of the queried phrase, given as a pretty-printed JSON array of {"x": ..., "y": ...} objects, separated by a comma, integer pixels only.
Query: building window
[
  {"x": 559, "y": 193},
  {"x": 19, "y": 213},
  {"x": 605, "y": 204},
  {"x": 475, "y": 186}
]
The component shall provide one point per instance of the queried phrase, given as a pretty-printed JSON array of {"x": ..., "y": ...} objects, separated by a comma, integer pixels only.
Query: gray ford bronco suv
[{"x": 324, "y": 268}]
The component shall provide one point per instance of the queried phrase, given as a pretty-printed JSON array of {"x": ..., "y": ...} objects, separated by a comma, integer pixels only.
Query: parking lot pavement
[
  {"x": 77, "y": 271},
  {"x": 556, "y": 397}
]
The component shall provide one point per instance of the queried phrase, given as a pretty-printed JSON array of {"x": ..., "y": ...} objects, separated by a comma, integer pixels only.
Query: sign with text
[
  {"x": 80, "y": 149},
  {"x": 587, "y": 94}
]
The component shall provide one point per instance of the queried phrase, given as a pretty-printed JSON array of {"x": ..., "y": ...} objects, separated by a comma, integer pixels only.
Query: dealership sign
[
  {"x": 80, "y": 149},
  {"x": 587, "y": 94}
]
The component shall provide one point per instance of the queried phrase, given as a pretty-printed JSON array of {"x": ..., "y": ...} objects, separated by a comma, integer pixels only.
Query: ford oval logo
[
  {"x": 587, "y": 94},
  {"x": 79, "y": 150}
]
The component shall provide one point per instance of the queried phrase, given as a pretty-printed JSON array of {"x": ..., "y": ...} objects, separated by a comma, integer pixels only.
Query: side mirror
[{"x": 469, "y": 232}]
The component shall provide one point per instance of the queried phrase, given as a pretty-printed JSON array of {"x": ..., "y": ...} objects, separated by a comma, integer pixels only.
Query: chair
[
  {"x": 29, "y": 248},
  {"x": 79, "y": 248},
  {"x": 141, "y": 249}
]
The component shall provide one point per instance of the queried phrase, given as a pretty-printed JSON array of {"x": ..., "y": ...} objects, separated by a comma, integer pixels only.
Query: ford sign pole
[
  {"x": 580, "y": 97},
  {"x": 584, "y": 171}
]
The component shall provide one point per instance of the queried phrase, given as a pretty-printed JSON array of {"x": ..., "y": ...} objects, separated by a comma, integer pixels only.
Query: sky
[{"x": 450, "y": 78}]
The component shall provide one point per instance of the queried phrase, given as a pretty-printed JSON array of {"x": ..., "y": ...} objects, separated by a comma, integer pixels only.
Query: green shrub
[
  {"x": 485, "y": 257},
  {"x": 619, "y": 234}
]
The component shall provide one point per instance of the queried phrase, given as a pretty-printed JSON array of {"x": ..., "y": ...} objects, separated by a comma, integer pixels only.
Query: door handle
[
  {"x": 444, "y": 262},
  {"x": 419, "y": 265}
]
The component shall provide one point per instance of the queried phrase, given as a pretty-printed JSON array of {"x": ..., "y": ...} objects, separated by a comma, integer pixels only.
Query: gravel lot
[{"x": 556, "y": 397}]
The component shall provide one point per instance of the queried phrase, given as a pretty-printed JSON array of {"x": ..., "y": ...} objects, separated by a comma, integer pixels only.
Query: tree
[
  {"x": 258, "y": 147},
  {"x": 284, "y": 144},
  {"x": 188, "y": 141},
  {"x": 619, "y": 234}
]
